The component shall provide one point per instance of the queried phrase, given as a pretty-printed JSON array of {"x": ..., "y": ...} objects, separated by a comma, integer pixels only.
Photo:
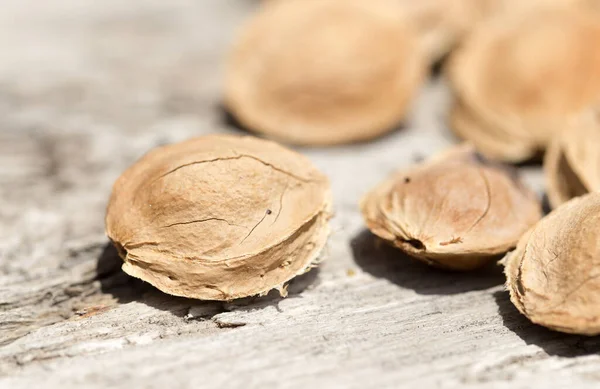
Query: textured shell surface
[
  {"x": 554, "y": 274},
  {"x": 456, "y": 210},
  {"x": 219, "y": 217}
]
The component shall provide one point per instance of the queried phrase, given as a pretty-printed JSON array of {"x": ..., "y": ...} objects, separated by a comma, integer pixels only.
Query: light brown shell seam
[{"x": 322, "y": 212}]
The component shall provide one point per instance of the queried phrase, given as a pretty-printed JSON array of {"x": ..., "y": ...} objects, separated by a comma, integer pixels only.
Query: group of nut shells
[{"x": 224, "y": 217}]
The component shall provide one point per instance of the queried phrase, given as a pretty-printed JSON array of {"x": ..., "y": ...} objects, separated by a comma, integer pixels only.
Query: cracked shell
[
  {"x": 572, "y": 163},
  {"x": 520, "y": 78},
  {"x": 321, "y": 72},
  {"x": 554, "y": 274},
  {"x": 455, "y": 211},
  {"x": 219, "y": 217}
]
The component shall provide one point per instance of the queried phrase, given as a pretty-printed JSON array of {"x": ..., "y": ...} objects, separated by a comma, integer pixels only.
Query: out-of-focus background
[{"x": 86, "y": 88}]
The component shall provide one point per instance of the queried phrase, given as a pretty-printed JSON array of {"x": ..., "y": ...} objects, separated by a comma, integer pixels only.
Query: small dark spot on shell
[
  {"x": 269, "y": 212},
  {"x": 406, "y": 180},
  {"x": 417, "y": 244}
]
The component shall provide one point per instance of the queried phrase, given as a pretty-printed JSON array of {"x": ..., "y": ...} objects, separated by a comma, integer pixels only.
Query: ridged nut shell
[
  {"x": 219, "y": 217},
  {"x": 455, "y": 211},
  {"x": 554, "y": 274},
  {"x": 572, "y": 163}
]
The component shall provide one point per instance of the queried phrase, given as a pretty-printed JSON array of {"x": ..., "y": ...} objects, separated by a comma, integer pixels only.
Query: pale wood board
[{"x": 86, "y": 87}]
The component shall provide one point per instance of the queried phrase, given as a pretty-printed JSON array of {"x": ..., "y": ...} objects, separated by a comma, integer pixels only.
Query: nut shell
[
  {"x": 572, "y": 163},
  {"x": 454, "y": 211},
  {"x": 554, "y": 274},
  {"x": 320, "y": 72},
  {"x": 522, "y": 77},
  {"x": 219, "y": 217},
  {"x": 441, "y": 24}
]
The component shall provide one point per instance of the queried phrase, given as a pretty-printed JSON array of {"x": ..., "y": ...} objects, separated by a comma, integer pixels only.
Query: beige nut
[
  {"x": 522, "y": 77},
  {"x": 455, "y": 211},
  {"x": 441, "y": 24},
  {"x": 321, "y": 72},
  {"x": 219, "y": 217},
  {"x": 494, "y": 8},
  {"x": 554, "y": 274},
  {"x": 572, "y": 163}
]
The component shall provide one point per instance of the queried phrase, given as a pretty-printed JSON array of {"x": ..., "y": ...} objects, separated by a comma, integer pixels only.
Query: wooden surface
[{"x": 86, "y": 87}]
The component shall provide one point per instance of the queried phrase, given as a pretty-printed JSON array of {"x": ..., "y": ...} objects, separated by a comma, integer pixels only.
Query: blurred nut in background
[
  {"x": 441, "y": 24},
  {"x": 454, "y": 211},
  {"x": 321, "y": 72},
  {"x": 521, "y": 77},
  {"x": 219, "y": 217},
  {"x": 572, "y": 163},
  {"x": 554, "y": 274},
  {"x": 494, "y": 8}
]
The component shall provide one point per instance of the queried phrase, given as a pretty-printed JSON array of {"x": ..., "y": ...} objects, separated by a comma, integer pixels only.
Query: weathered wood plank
[{"x": 87, "y": 87}]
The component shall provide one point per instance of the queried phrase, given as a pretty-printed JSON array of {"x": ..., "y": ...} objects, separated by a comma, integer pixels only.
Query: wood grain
[{"x": 86, "y": 88}]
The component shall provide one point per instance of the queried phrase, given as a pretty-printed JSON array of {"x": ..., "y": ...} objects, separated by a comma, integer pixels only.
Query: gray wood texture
[{"x": 86, "y": 87}]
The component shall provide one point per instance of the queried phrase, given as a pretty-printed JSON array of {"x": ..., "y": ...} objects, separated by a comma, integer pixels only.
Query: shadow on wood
[
  {"x": 437, "y": 68},
  {"x": 228, "y": 119},
  {"x": 546, "y": 207},
  {"x": 383, "y": 261},
  {"x": 124, "y": 288},
  {"x": 552, "y": 342}
]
